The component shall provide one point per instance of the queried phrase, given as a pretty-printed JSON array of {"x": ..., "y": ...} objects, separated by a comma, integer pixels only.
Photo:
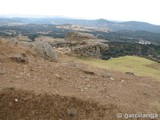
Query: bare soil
[{"x": 69, "y": 90}]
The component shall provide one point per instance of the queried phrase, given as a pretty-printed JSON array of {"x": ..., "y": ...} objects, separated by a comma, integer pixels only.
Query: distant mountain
[
  {"x": 134, "y": 26},
  {"x": 111, "y": 25}
]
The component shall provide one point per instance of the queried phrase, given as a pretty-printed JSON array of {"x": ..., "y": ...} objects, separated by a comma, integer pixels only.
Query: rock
[
  {"x": 16, "y": 100},
  {"x": 129, "y": 73},
  {"x": 41, "y": 48},
  {"x": 122, "y": 81},
  {"x": 44, "y": 50},
  {"x": 84, "y": 45},
  {"x": 82, "y": 90},
  {"x": 71, "y": 112},
  {"x": 58, "y": 76},
  {"x": 65, "y": 50},
  {"x": 75, "y": 36},
  {"x": 111, "y": 78},
  {"x": 89, "y": 49},
  {"x": 60, "y": 44},
  {"x": 22, "y": 58}
]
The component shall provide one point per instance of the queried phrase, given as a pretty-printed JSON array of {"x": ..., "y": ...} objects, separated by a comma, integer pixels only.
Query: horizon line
[{"x": 66, "y": 17}]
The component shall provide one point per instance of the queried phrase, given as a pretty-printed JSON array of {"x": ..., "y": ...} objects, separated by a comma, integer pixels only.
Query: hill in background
[{"x": 111, "y": 25}]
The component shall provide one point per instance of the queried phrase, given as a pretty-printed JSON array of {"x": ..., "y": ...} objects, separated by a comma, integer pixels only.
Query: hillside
[
  {"x": 133, "y": 64},
  {"x": 74, "y": 88}
]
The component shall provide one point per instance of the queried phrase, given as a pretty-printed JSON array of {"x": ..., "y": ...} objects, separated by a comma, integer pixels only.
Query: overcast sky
[{"x": 120, "y": 10}]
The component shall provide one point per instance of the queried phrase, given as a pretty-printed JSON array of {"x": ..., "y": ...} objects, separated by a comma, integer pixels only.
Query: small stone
[
  {"x": 122, "y": 81},
  {"x": 129, "y": 73},
  {"x": 28, "y": 74},
  {"x": 16, "y": 100},
  {"x": 20, "y": 58},
  {"x": 57, "y": 75},
  {"x": 111, "y": 78},
  {"x": 71, "y": 112},
  {"x": 82, "y": 90},
  {"x": 17, "y": 77}
]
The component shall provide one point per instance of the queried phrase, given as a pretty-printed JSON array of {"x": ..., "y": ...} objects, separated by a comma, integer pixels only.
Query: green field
[{"x": 138, "y": 65}]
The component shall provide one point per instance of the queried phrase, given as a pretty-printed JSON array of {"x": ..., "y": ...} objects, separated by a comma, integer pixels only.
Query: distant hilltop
[{"x": 100, "y": 23}]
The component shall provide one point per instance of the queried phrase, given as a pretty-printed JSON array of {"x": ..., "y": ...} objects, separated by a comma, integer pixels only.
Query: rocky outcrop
[
  {"x": 77, "y": 44},
  {"x": 75, "y": 36},
  {"x": 83, "y": 45},
  {"x": 89, "y": 49},
  {"x": 41, "y": 48}
]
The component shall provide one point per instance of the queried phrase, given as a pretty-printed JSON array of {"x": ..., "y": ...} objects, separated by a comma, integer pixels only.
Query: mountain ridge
[{"x": 111, "y": 25}]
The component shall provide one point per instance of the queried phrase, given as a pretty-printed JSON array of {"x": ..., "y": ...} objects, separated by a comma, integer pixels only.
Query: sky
[{"x": 119, "y": 10}]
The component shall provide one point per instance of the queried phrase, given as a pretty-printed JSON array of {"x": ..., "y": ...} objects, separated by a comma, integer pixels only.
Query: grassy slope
[{"x": 137, "y": 65}]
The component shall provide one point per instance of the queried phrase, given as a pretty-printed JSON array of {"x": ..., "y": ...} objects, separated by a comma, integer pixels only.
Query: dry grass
[{"x": 22, "y": 104}]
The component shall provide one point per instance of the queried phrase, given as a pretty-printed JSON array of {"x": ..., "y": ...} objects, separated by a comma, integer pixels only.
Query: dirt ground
[{"x": 68, "y": 90}]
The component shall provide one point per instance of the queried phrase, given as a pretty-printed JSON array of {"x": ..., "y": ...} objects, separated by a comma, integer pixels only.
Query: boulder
[
  {"x": 45, "y": 50},
  {"x": 41, "y": 48}
]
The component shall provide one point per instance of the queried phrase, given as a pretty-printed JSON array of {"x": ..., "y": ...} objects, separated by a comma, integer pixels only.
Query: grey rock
[
  {"x": 41, "y": 48},
  {"x": 44, "y": 50},
  {"x": 90, "y": 49},
  {"x": 83, "y": 45},
  {"x": 129, "y": 73},
  {"x": 76, "y": 36},
  {"x": 72, "y": 112}
]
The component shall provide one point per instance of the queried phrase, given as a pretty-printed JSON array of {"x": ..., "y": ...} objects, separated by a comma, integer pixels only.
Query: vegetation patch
[{"x": 137, "y": 65}]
